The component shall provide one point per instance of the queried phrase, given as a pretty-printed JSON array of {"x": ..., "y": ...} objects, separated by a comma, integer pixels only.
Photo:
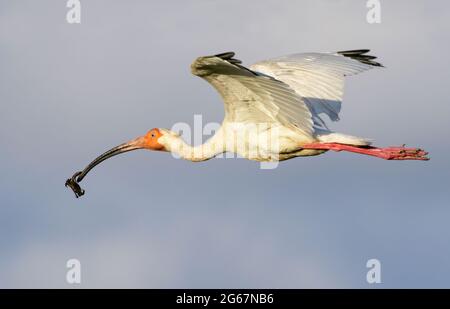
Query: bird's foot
[{"x": 400, "y": 153}]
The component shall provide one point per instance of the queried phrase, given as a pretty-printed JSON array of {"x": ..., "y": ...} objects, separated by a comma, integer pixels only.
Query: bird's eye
[{"x": 153, "y": 134}]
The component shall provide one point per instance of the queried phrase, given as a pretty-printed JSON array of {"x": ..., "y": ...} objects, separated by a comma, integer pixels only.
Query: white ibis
[{"x": 280, "y": 100}]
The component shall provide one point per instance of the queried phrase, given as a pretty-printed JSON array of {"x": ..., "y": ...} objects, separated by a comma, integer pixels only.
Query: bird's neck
[{"x": 206, "y": 151}]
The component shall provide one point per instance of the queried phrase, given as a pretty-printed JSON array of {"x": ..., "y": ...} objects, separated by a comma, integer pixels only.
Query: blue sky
[{"x": 70, "y": 92}]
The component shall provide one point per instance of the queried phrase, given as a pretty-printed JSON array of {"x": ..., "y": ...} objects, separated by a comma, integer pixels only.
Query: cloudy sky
[{"x": 71, "y": 91}]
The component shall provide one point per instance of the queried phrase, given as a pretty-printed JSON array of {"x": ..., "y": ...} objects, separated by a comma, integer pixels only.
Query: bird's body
[
  {"x": 258, "y": 142},
  {"x": 273, "y": 111}
]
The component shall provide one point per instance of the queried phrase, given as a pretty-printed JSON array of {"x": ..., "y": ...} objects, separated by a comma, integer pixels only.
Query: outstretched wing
[
  {"x": 318, "y": 77},
  {"x": 253, "y": 97}
]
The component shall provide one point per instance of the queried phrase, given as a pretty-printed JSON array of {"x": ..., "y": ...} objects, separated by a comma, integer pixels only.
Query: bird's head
[
  {"x": 152, "y": 140},
  {"x": 155, "y": 139}
]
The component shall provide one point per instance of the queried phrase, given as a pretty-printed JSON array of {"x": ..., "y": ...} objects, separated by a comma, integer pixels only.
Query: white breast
[{"x": 262, "y": 141}]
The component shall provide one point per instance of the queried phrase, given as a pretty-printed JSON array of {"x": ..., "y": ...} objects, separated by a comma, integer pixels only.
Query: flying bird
[{"x": 274, "y": 111}]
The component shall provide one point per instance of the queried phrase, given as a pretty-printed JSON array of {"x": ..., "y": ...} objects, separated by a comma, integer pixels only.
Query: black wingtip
[
  {"x": 360, "y": 55},
  {"x": 354, "y": 52},
  {"x": 226, "y": 55}
]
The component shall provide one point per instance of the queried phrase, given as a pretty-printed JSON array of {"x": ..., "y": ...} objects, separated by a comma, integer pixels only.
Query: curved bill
[{"x": 72, "y": 182}]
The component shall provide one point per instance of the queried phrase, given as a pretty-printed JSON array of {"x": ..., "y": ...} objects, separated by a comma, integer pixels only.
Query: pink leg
[{"x": 388, "y": 153}]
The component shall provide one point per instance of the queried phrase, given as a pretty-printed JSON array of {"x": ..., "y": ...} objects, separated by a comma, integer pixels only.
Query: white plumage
[{"x": 317, "y": 77}]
